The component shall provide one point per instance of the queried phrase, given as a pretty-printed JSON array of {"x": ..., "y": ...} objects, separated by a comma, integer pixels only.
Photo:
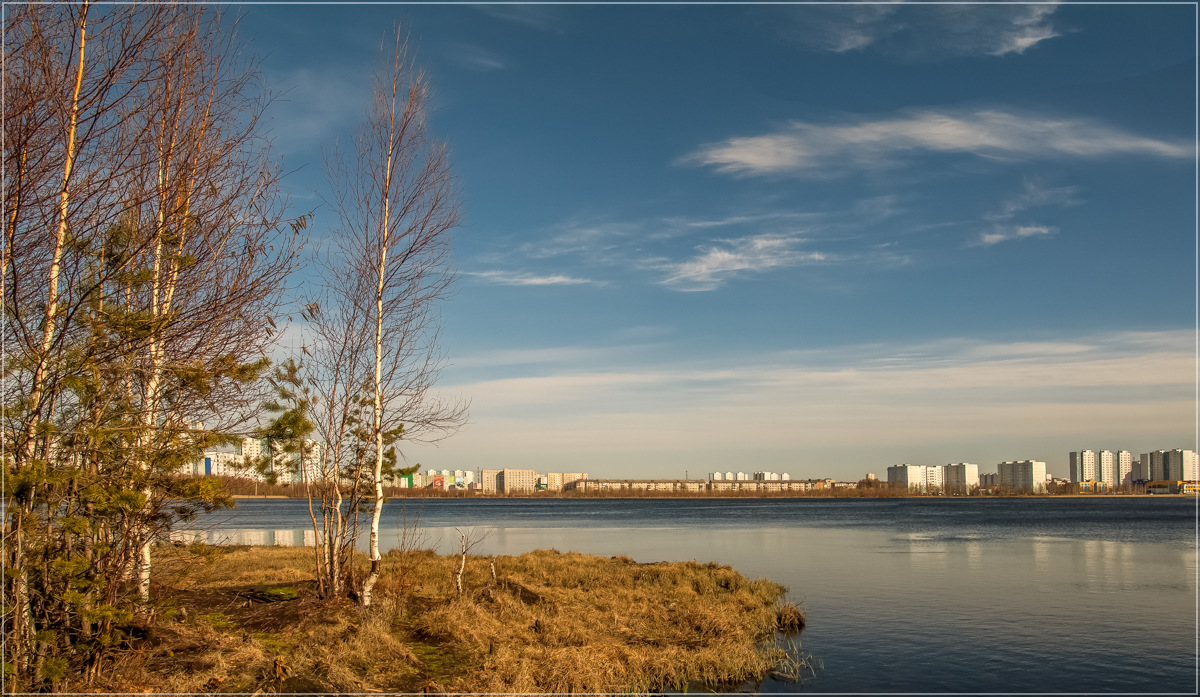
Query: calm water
[{"x": 999, "y": 595}]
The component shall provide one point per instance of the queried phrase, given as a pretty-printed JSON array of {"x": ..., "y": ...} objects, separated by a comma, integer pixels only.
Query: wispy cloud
[
  {"x": 717, "y": 263},
  {"x": 539, "y": 17},
  {"x": 596, "y": 239},
  {"x": 472, "y": 57},
  {"x": 841, "y": 28},
  {"x": 1037, "y": 195},
  {"x": 512, "y": 278},
  {"x": 821, "y": 150},
  {"x": 698, "y": 252},
  {"x": 922, "y": 31},
  {"x": 1004, "y": 233},
  {"x": 316, "y": 104}
]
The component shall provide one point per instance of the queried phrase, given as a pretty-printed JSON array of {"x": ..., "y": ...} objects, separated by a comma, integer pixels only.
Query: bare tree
[
  {"x": 469, "y": 539},
  {"x": 217, "y": 258},
  {"x": 396, "y": 205},
  {"x": 145, "y": 248}
]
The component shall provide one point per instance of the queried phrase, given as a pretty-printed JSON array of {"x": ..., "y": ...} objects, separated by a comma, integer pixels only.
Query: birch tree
[
  {"x": 396, "y": 205},
  {"x": 145, "y": 249}
]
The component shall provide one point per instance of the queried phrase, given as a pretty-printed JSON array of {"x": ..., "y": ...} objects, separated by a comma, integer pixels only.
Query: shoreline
[{"x": 670, "y": 496}]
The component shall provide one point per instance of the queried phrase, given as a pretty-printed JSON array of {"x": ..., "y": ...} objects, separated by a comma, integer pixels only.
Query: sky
[{"x": 813, "y": 239}]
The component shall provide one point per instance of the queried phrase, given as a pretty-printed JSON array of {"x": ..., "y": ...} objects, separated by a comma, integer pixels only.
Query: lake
[{"x": 902, "y": 595}]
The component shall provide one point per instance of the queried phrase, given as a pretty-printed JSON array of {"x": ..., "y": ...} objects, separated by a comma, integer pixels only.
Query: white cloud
[
  {"x": 1030, "y": 26},
  {"x": 717, "y": 263},
  {"x": 1004, "y": 233},
  {"x": 967, "y": 398},
  {"x": 512, "y": 278},
  {"x": 922, "y": 31},
  {"x": 815, "y": 150}
]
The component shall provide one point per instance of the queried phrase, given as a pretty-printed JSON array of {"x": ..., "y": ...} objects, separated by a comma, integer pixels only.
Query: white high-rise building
[
  {"x": 1123, "y": 465},
  {"x": 253, "y": 447},
  {"x": 312, "y": 463},
  {"x": 959, "y": 478},
  {"x": 716, "y": 476},
  {"x": 225, "y": 465},
  {"x": 1027, "y": 475},
  {"x": 729, "y": 476},
  {"x": 1104, "y": 467},
  {"x": 1083, "y": 466},
  {"x": 911, "y": 476},
  {"x": 933, "y": 478}
]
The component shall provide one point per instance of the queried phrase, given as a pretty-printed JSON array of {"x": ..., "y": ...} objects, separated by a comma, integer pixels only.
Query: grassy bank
[{"x": 244, "y": 619}]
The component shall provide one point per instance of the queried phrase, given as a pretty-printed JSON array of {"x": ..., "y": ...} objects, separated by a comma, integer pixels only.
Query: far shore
[{"x": 422, "y": 494}]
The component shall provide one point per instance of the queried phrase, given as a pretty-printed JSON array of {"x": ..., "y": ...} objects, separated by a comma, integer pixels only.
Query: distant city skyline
[{"x": 818, "y": 239}]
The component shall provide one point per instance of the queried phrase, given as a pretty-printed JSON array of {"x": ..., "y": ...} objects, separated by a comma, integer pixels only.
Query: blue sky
[{"x": 813, "y": 239}]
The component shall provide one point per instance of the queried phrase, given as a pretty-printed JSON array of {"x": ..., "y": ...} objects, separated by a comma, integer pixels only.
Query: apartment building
[
  {"x": 514, "y": 481},
  {"x": 959, "y": 478},
  {"x": 1104, "y": 468},
  {"x": 917, "y": 477},
  {"x": 1141, "y": 468},
  {"x": 1028, "y": 475},
  {"x": 1174, "y": 465},
  {"x": 557, "y": 481},
  {"x": 490, "y": 481},
  {"x": 1123, "y": 464},
  {"x": 1082, "y": 466},
  {"x": 216, "y": 464}
]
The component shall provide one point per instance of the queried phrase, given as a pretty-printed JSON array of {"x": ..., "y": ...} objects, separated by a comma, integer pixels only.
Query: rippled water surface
[{"x": 902, "y": 595}]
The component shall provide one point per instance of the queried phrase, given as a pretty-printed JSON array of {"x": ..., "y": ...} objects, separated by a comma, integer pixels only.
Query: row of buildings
[
  {"x": 245, "y": 461},
  {"x": 514, "y": 481},
  {"x": 743, "y": 477},
  {"x": 961, "y": 477},
  {"x": 446, "y": 480},
  {"x": 1108, "y": 468},
  {"x": 1094, "y": 470}
]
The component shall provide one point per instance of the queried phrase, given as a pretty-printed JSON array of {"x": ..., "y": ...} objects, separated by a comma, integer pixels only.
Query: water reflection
[
  {"x": 974, "y": 553},
  {"x": 247, "y": 536}
]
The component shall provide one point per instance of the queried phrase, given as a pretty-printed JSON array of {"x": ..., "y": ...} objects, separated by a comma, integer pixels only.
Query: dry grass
[{"x": 549, "y": 622}]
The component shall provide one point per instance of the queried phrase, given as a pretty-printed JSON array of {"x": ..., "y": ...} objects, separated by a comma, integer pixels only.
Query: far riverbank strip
[{"x": 556, "y": 496}]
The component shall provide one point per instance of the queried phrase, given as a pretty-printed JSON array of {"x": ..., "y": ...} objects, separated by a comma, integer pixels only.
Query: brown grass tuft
[
  {"x": 789, "y": 618},
  {"x": 549, "y": 622}
]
